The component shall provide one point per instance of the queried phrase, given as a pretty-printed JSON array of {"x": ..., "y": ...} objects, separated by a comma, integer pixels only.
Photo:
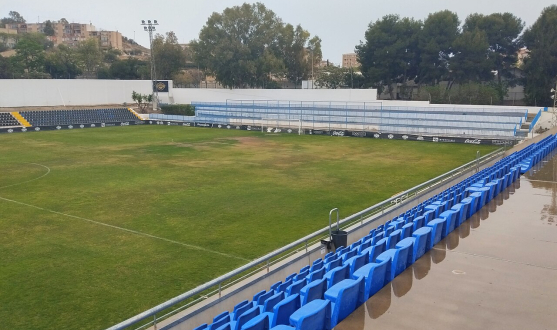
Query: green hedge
[{"x": 178, "y": 109}]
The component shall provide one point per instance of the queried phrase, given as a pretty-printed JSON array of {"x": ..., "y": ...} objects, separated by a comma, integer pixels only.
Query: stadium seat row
[
  {"x": 6, "y": 119},
  {"x": 70, "y": 117},
  {"x": 325, "y": 293}
]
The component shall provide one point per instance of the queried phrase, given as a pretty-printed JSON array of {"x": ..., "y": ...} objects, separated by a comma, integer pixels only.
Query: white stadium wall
[
  {"x": 188, "y": 95},
  {"x": 58, "y": 92}
]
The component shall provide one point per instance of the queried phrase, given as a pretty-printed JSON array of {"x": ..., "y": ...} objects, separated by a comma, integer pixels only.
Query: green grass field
[{"x": 201, "y": 202}]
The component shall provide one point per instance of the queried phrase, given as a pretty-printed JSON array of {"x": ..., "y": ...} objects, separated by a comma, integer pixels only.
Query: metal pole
[{"x": 151, "y": 27}]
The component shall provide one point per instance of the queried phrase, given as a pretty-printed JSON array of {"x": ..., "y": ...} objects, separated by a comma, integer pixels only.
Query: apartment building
[
  {"x": 71, "y": 34},
  {"x": 8, "y": 37},
  {"x": 350, "y": 60}
]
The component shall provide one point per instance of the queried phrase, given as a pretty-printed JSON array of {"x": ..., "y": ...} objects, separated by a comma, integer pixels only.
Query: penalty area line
[{"x": 195, "y": 247}]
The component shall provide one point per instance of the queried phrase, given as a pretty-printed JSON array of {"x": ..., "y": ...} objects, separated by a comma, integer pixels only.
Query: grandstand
[
  {"x": 71, "y": 117},
  {"x": 8, "y": 120},
  {"x": 493, "y": 122}
]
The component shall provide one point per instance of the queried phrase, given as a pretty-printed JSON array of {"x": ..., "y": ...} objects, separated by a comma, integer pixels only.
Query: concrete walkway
[{"x": 498, "y": 270}]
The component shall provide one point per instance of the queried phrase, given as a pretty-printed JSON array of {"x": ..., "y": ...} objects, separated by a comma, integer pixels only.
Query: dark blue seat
[
  {"x": 315, "y": 315},
  {"x": 333, "y": 264},
  {"x": 462, "y": 210},
  {"x": 345, "y": 296}
]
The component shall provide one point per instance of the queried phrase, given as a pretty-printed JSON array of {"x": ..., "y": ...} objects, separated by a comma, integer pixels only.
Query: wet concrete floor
[{"x": 498, "y": 270}]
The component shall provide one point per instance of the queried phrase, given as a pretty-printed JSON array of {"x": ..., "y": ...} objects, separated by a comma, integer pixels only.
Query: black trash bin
[{"x": 340, "y": 238}]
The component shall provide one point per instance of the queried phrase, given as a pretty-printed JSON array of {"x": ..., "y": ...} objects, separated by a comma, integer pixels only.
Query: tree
[
  {"x": 13, "y": 18},
  {"x": 6, "y": 71},
  {"x": 540, "y": 68},
  {"x": 502, "y": 31},
  {"x": 64, "y": 21},
  {"x": 230, "y": 44},
  {"x": 142, "y": 101},
  {"x": 389, "y": 53},
  {"x": 435, "y": 46},
  {"x": 471, "y": 61},
  {"x": 30, "y": 54},
  {"x": 332, "y": 77},
  {"x": 299, "y": 52},
  {"x": 111, "y": 55},
  {"x": 90, "y": 55},
  {"x": 168, "y": 54},
  {"x": 48, "y": 28},
  {"x": 128, "y": 69},
  {"x": 62, "y": 63}
]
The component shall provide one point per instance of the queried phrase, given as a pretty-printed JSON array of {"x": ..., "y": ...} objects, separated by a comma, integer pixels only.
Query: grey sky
[{"x": 340, "y": 24}]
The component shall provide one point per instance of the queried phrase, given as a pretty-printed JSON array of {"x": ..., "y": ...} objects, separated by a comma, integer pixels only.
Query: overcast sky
[{"x": 341, "y": 24}]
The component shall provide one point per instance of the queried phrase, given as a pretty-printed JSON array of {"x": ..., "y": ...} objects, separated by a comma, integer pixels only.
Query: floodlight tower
[{"x": 151, "y": 27}]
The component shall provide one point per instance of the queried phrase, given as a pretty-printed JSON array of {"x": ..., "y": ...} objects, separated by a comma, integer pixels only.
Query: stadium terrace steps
[
  {"x": 20, "y": 119},
  {"x": 72, "y": 117},
  {"x": 357, "y": 272},
  {"x": 135, "y": 114}
]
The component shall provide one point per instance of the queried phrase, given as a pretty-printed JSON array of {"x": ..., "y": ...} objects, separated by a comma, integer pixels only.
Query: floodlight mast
[
  {"x": 151, "y": 27},
  {"x": 554, "y": 97}
]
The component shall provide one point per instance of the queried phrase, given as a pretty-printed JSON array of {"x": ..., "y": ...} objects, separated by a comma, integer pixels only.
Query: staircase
[{"x": 525, "y": 127}]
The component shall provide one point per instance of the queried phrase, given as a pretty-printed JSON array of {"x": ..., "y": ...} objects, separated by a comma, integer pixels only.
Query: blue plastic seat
[
  {"x": 282, "y": 287},
  {"x": 275, "y": 286},
  {"x": 345, "y": 296},
  {"x": 462, "y": 211},
  {"x": 271, "y": 302},
  {"x": 407, "y": 230},
  {"x": 333, "y": 264},
  {"x": 396, "y": 262},
  {"x": 408, "y": 245},
  {"x": 428, "y": 215},
  {"x": 245, "y": 317},
  {"x": 394, "y": 237},
  {"x": 315, "y": 315},
  {"x": 316, "y": 275},
  {"x": 283, "y": 310},
  {"x": 419, "y": 222},
  {"x": 240, "y": 308},
  {"x": 375, "y": 275},
  {"x": 262, "y": 298},
  {"x": 356, "y": 262},
  {"x": 295, "y": 287},
  {"x": 257, "y": 295},
  {"x": 473, "y": 202},
  {"x": 222, "y": 315},
  {"x": 313, "y": 290},
  {"x": 423, "y": 241},
  {"x": 260, "y": 322},
  {"x": 437, "y": 228},
  {"x": 349, "y": 255},
  {"x": 336, "y": 275},
  {"x": 450, "y": 218}
]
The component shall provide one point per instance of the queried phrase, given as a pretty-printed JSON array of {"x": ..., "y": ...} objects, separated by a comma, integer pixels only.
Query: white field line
[
  {"x": 40, "y": 177},
  {"x": 195, "y": 247}
]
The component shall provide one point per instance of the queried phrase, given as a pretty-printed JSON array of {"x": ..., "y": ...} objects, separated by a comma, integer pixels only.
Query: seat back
[
  {"x": 315, "y": 315},
  {"x": 345, "y": 297},
  {"x": 337, "y": 274},
  {"x": 262, "y": 298},
  {"x": 284, "y": 309},
  {"x": 260, "y": 322},
  {"x": 316, "y": 275},
  {"x": 295, "y": 287},
  {"x": 313, "y": 290},
  {"x": 272, "y": 301},
  {"x": 246, "y": 316}
]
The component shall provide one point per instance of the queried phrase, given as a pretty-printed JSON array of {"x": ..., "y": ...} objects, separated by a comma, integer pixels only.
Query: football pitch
[{"x": 97, "y": 225}]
